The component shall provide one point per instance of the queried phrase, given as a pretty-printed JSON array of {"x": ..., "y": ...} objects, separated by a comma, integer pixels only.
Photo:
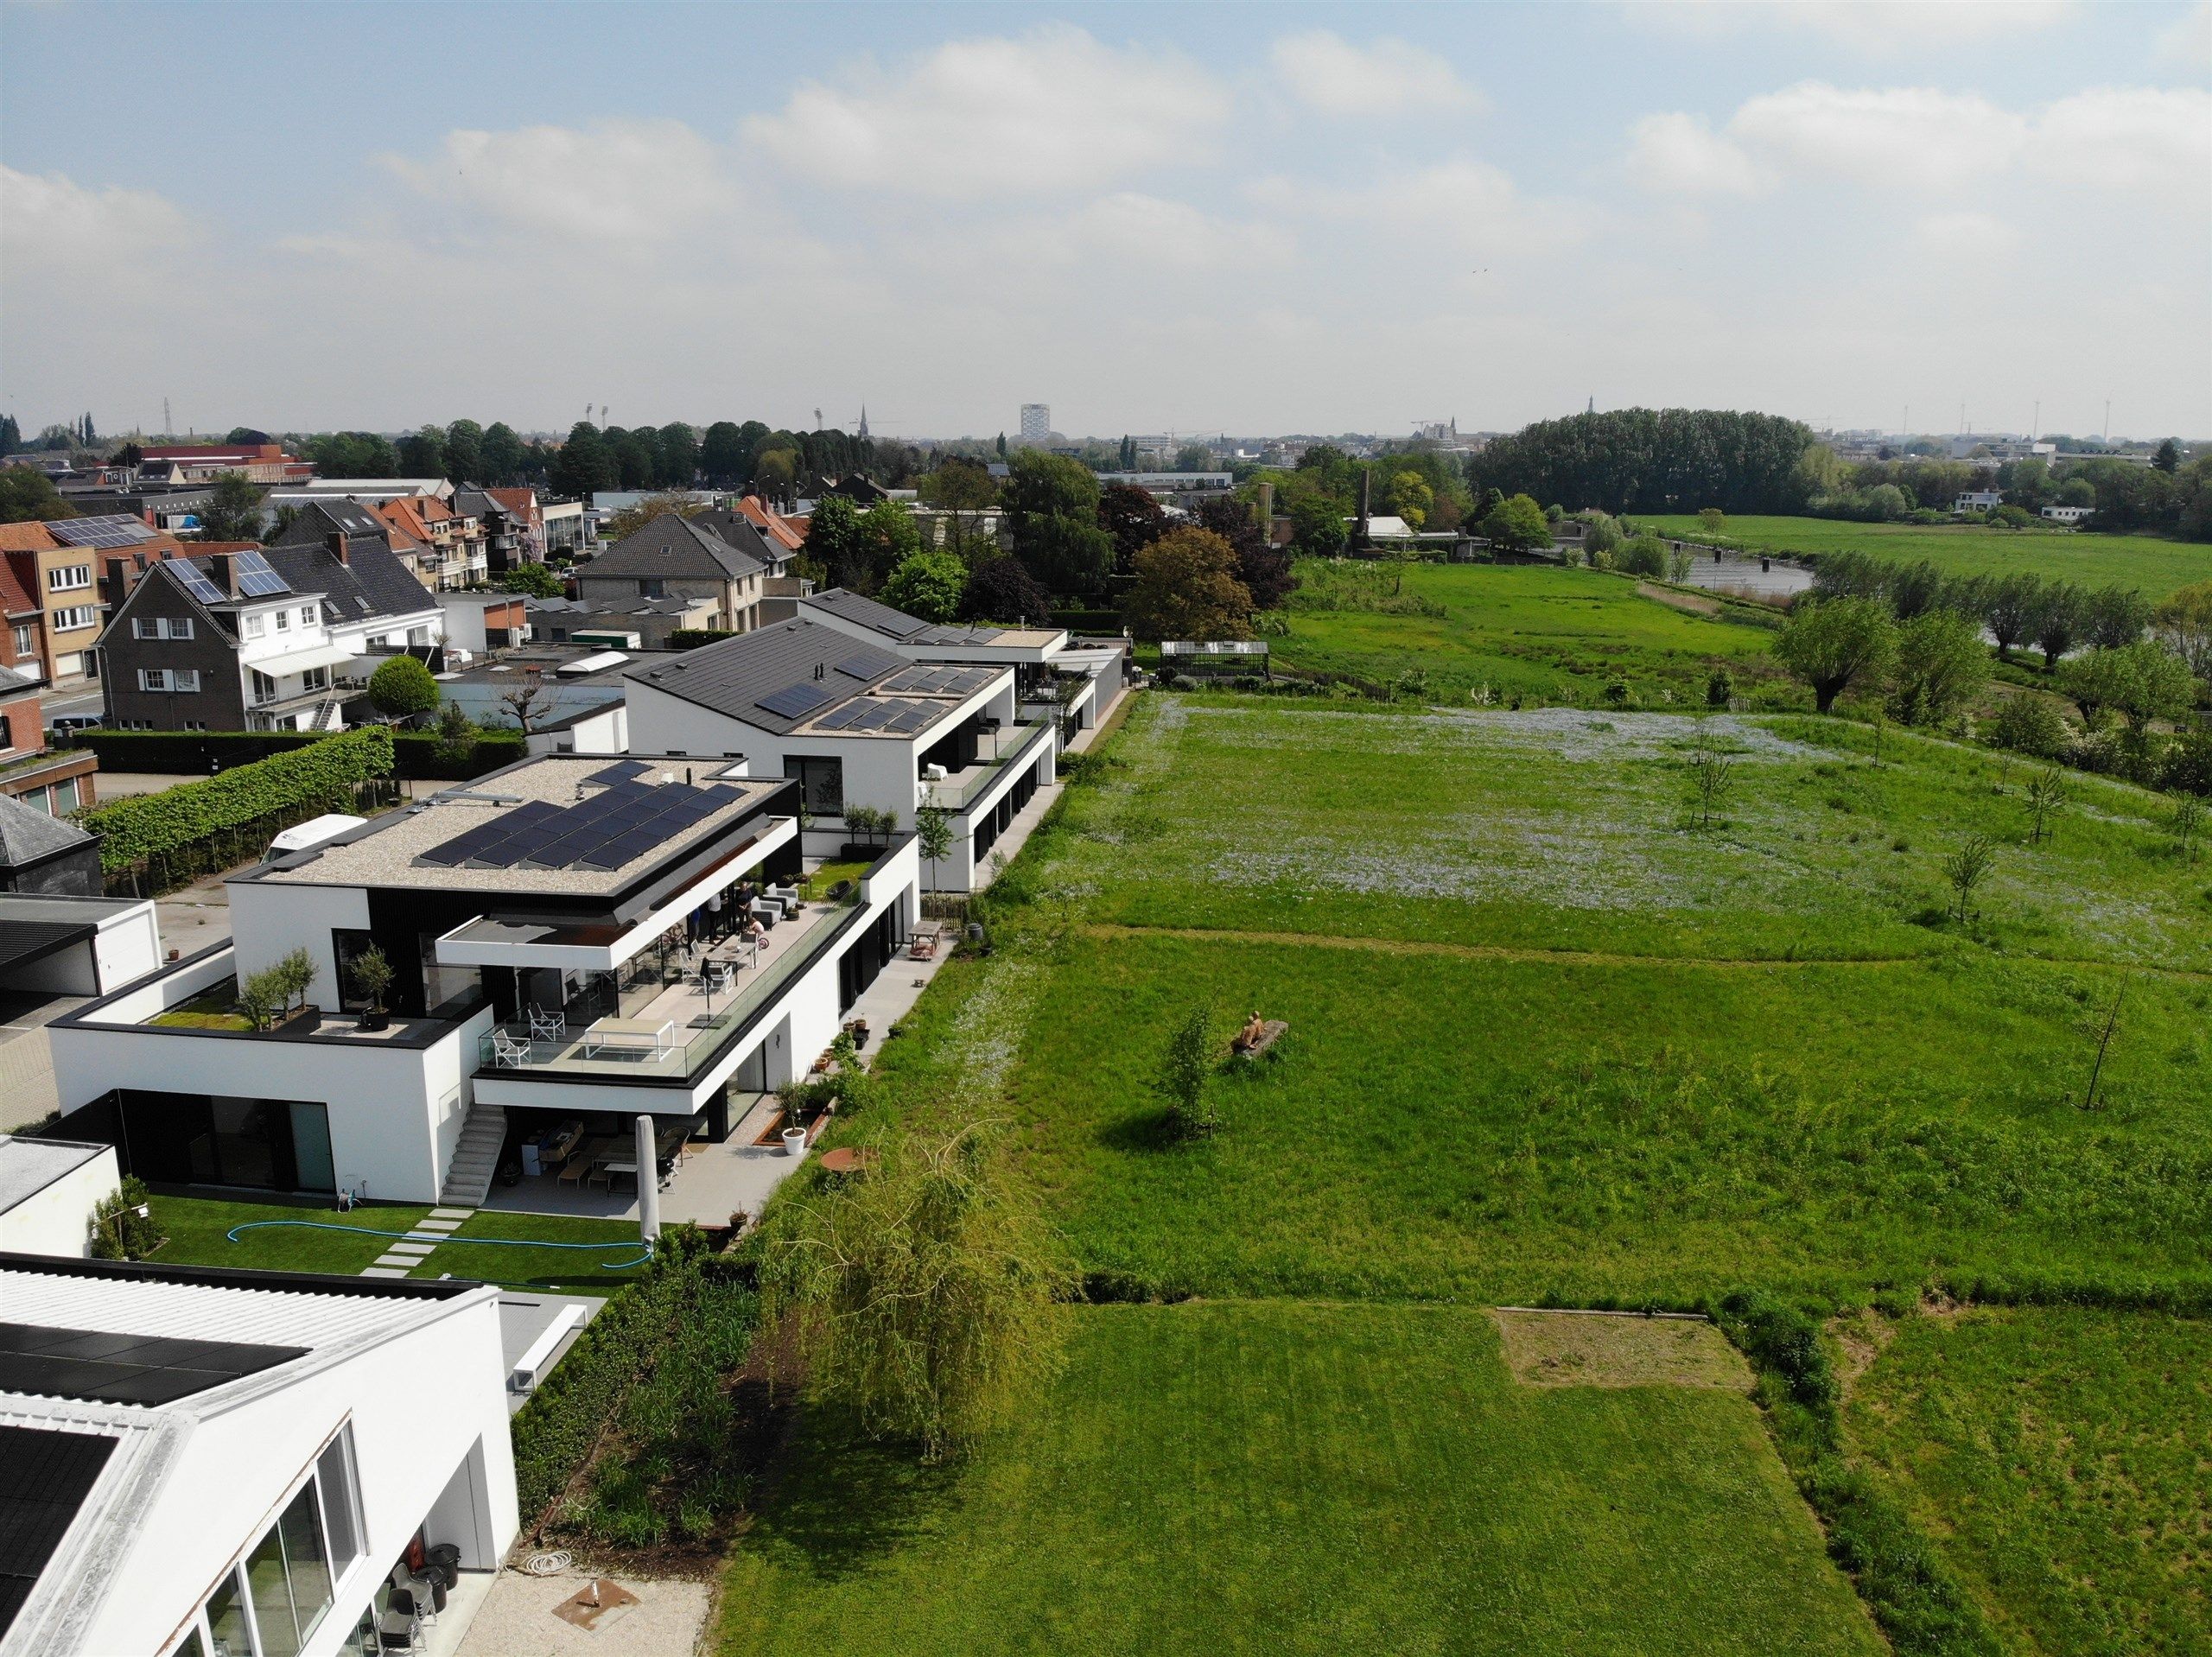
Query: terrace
[{"x": 1009, "y": 743}]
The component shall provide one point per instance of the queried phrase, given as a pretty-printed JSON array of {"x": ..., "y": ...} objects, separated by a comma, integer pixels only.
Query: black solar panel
[
  {"x": 794, "y": 701},
  {"x": 859, "y": 667},
  {"x": 911, "y": 719},
  {"x": 841, "y": 718},
  {"x": 50, "y": 1475},
  {"x": 123, "y": 1369},
  {"x": 621, "y": 771},
  {"x": 195, "y": 580},
  {"x": 109, "y": 529},
  {"x": 465, "y": 844},
  {"x": 256, "y": 579}
]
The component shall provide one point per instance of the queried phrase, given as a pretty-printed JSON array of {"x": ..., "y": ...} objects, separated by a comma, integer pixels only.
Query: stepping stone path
[{"x": 412, "y": 1247}]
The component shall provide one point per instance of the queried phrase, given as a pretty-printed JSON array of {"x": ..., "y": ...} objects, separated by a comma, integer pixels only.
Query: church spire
[{"x": 863, "y": 423}]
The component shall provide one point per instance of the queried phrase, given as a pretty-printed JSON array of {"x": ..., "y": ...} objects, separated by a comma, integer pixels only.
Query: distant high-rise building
[{"x": 1036, "y": 423}]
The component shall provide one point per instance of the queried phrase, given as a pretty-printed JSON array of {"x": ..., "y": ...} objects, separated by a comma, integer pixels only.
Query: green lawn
[
  {"x": 1283, "y": 1478},
  {"x": 2059, "y": 1456},
  {"x": 2155, "y": 566},
  {"x": 198, "y": 1230},
  {"x": 1535, "y": 631}
]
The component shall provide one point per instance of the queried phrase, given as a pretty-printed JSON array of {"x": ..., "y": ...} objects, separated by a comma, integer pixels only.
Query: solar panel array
[
  {"x": 195, "y": 580},
  {"x": 256, "y": 579},
  {"x": 939, "y": 681},
  {"x": 889, "y": 714},
  {"x": 112, "y": 529},
  {"x": 620, "y": 772},
  {"x": 620, "y": 823},
  {"x": 124, "y": 1369},
  {"x": 859, "y": 667},
  {"x": 795, "y": 700}
]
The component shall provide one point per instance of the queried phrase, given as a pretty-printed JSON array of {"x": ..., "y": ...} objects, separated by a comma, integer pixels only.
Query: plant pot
[
  {"x": 379, "y": 1020},
  {"x": 794, "y": 1141}
]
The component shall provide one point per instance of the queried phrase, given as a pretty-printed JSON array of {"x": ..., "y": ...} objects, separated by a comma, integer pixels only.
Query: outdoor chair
[
  {"x": 548, "y": 1027},
  {"x": 506, "y": 1051}
]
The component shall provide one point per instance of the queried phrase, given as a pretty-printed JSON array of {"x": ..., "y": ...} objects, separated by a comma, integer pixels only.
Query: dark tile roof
[
  {"x": 878, "y": 618},
  {"x": 675, "y": 549},
  {"x": 316, "y": 519},
  {"x": 27, "y": 834},
  {"x": 735, "y": 530},
  {"x": 371, "y": 582},
  {"x": 732, "y": 675}
]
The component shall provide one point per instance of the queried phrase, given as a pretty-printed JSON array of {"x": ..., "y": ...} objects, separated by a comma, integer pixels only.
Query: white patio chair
[
  {"x": 506, "y": 1051},
  {"x": 548, "y": 1027}
]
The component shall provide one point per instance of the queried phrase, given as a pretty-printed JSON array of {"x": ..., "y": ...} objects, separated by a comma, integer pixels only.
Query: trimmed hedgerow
[
  {"x": 415, "y": 754},
  {"x": 267, "y": 795},
  {"x": 690, "y": 638}
]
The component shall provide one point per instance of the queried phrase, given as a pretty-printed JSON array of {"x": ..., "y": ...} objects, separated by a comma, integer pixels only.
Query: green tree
[
  {"x": 27, "y": 495},
  {"x": 422, "y": 453},
  {"x": 1965, "y": 869},
  {"x": 724, "y": 456},
  {"x": 584, "y": 465},
  {"x": 926, "y": 1298},
  {"x": 1186, "y": 587},
  {"x": 776, "y": 474},
  {"x": 234, "y": 509},
  {"x": 465, "y": 452},
  {"x": 1713, "y": 520},
  {"x": 1942, "y": 665},
  {"x": 834, "y": 540},
  {"x": 2116, "y": 615},
  {"x": 534, "y": 580},
  {"x": 1002, "y": 589},
  {"x": 676, "y": 459},
  {"x": 2047, "y": 793},
  {"x": 1317, "y": 527},
  {"x": 1186, "y": 1067},
  {"x": 2183, "y": 622},
  {"x": 1831, "y": 644},
  {"x": 1132, "y": 517},
  {"x": 11, "y": 437},
  {"x": 1052, "y": 507},
  {"x": 2167, "y": 460},
  {"x": 933, "y": 835},
  {"x": 888, "y": 537},
  {"x": 1646, "y": 555},
  {"x": 502, "y": 453},
  {"x": 1411, "y": 497},
  {"x": 1713, "y": 774},
  {"x": 620, "y": 526},
  {"x": 403, "y": 689},
  {"x": 2058, "y": 621},
  {"x": 2141, "y": 682},
  {"x": 929, "y": 584},
  {"x": 1516, "y": 525}
]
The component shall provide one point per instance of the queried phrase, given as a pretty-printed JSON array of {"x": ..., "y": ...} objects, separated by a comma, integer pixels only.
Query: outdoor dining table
[{"x": 628, "y": 1032}]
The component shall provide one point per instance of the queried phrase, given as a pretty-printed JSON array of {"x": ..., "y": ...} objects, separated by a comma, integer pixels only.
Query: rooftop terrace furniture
[
  {"x": 506, "y": 1051},
  {"x": 922, "y": 947},
  {"x": 637, "y": 1035}
]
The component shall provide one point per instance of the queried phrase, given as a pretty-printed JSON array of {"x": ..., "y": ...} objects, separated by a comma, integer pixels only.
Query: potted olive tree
[{"x": 371, "y": 977}]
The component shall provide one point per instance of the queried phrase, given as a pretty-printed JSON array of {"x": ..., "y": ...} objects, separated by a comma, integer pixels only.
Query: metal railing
[
  {"x": 1014, "y": 742},
  {"x": 676, "y": 1061}
]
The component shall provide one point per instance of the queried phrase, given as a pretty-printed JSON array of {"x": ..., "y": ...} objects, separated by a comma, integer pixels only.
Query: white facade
[
  {"x": 393, "y": 1421},
  {"x": 2069, "y": 514},
  {"x": 124, "y": 946},
  {"x": 50, "y": 1193},
  {"x": 1978, "y": 500}
]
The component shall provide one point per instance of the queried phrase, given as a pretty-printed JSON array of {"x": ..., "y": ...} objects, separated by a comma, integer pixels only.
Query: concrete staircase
[{"x": 475, "y": 1159}]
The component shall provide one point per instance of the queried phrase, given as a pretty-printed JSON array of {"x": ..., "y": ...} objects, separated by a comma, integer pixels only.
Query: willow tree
[{"x": 925, "y": 1296}]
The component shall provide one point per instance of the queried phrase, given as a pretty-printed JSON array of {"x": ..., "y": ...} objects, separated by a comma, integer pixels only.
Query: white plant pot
[{"x": 794, "y": 1141}]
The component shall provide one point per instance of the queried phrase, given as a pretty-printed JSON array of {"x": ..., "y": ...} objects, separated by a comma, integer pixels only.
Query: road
[{"x": 75, "y": 702}]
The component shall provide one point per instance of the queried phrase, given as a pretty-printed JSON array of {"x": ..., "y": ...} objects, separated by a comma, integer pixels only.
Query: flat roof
[
  {"x": 567, "y": 805},
  {"x": 29, "y": 1166}
]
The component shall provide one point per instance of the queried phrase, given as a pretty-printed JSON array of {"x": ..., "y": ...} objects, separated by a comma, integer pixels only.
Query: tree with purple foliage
[
  {"x": 1002, "y": 589},
  {"x": 1133, "y": 517},
  {"x": 1263, "y": 567}
]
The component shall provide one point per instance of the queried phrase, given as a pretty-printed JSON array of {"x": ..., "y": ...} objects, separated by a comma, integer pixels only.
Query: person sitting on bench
[{"x": 1250, "y": 1036}]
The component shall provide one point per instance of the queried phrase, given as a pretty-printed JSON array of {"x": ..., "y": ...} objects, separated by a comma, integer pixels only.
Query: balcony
[
  {"x": 1014, "y": 742},
  {"x": 687, "y": 1022}
]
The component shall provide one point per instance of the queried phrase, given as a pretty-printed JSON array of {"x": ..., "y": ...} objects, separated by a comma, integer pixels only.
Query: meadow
[
  {"x": 2154, "y": 565},
  {"x": 1538, "y": 632},
  {"x": 1277, "y": 1477},
  {"x": 2057, "y": 1455}
]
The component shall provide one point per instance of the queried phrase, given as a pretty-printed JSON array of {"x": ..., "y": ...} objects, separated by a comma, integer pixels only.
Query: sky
[{"x": 1240, "y": 219}]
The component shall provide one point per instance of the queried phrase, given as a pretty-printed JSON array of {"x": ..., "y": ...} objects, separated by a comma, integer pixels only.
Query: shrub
[
  {"x": 402, "y": 688},
  {"x": 2028, "y": 724},
  {"x": 120, "y": 1231},
  {"x": 1644, "y": 555},
  {"x": 1186, "y": 1066},
  {"x": 1719, "y": 689},
  {"x": 691, "y": 638},
  {"x": 1778, "y": 1337}
]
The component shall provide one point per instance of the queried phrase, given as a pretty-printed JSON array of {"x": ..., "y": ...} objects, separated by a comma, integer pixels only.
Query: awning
[{"x": 322, "y": 656}]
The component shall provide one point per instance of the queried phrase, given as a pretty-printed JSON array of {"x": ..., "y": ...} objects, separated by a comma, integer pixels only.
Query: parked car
[{"x": 67, "y": 724}]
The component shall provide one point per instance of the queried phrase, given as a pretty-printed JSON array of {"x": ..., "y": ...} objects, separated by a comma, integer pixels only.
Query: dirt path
[{"x": 1674, "y": 600}]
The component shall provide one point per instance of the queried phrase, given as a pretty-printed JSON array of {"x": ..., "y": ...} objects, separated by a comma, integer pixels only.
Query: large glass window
[
  {"x": 190, "y": 1645},
  {"x": 290, "y": 1575},
  {"x": 822, "y": 781},
  {"x": 341, "y": 1502},
  {"x": 313, "y": 1169},
  {"x": 227, "y": 1620}
]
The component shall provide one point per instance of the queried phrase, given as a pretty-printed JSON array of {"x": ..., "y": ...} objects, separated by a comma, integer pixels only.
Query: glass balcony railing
[{"x": 957, "y": 792}]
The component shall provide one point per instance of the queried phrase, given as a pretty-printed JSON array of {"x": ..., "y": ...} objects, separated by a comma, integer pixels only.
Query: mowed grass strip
[
  {"x": 1533, "y": 631},
  {"x": 1515, "y": 1131},
  {"x": 1286, "y": 1478},
  {"x": 2144, "y": 562},
  {"x": 2059, "y": 1459},
  {"x": 1562, "y": 828},
  {"x": 199, "y": 1230},
  {"x": 602, "y": 1269}
]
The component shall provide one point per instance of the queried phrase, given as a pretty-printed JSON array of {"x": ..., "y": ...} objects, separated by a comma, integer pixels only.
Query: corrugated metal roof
[{"x": 196, "y": 1311}]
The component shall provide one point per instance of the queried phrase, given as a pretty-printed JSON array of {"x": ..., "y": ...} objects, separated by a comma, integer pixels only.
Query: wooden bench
[{"x": 1271, "y": 1031}]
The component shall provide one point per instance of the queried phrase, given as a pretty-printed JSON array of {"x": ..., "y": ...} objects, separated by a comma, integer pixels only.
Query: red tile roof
[
  {"x": 33, "y": 536},
  {"x": 15, "y": 598},
  {"x": 775, "y": 524}
]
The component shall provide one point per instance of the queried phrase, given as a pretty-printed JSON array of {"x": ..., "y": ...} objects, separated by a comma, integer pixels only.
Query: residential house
[
  {"x": 40, "y": 853},
  {"x": 623, "y": 623},
  {"x": 1978, "y": 500},
  {"x": 268, "y": 640},
  {"x": 673, "y": 556},
  {"x": 50, "y": 1193},
  {"x": 317, "y": 519},
  {"x": 536, "y": 920},
  {"x": 514, "y": 527},
  {"x": 59, "y": 563},
  {"x": 212, "y": 1461},
  {"x": 22, "y": 617},
  {"x": 478, "y": 622},
  {"x": 570, "y": 529},
  {"x": 455, "y": 537},
  {"x": 2069, "y": 514},
  {"x": 58, "y": 939},
  {"x": 55, "y": 783},
  {"x": 857, "y": 724}
]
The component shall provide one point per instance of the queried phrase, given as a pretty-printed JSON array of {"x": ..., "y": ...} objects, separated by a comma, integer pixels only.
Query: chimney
[
  {"x": 222, "y": 570},
  {"x": 1267, "y": 512},
  {"x": 337, "y": 543},
  {"x": 1366, "y": 478}
]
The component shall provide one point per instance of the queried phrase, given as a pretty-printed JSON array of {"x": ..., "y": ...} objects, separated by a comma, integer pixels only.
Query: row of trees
[
  {"x": 2016, "y": 606},
  {"x": 1653, "y": 460},
  {"x": 2166, "y": 496}
]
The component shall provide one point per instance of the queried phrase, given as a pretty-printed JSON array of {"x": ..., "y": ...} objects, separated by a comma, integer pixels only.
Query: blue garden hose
[{"x": 488, "y": 1242}]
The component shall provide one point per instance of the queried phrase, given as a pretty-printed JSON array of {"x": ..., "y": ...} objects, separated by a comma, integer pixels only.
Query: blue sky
[{"x": 1152, "y": 217}]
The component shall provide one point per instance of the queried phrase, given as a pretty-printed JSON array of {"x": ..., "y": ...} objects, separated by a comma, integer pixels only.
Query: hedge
[
  {"x": 205, "y": 819},
  {"x": 690, "y": 638},
  {"x": 416, "y": 753},
  {"x": 1089, "y": 621},
  {"x": 556, "y": 1432}
]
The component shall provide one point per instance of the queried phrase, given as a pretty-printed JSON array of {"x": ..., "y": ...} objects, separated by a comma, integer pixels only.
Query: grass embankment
[
  {"x": 1287, "y": 1478},
  {"x": 1538, "y": 632},
  {"x": 2058, "y": 1457},
  {"x": 2150, "y": 562}
]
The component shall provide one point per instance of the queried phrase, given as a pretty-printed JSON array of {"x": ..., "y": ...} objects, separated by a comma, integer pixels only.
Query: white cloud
[
  {"x": 1908, "y": 136},
  {"x": 616, "y": 184},
  {"x": 1467, "y": 205},
  {"x": 1331, "y": 74},
  {"x": 1923, "y": 139},
  {"x": 987, "y": 116},
  {"x": 2186, "y": 42},
  {"x": 2130, "y": 137},
  {"x": 1964, "y": 236},
  {"x": 1682, "y": 154},
  {"x": 49, "y": 220}
]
